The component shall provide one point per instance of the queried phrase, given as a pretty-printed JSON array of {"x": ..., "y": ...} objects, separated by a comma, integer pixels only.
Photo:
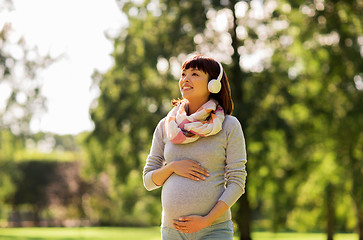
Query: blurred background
[{"x": 84, "y": 83}]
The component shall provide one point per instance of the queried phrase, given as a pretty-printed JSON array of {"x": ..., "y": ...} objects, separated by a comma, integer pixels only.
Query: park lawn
[
  {"x": 301, "y": 236},
  {"x": 89, "y": 233},
  {"x": 113, "y": 233}
]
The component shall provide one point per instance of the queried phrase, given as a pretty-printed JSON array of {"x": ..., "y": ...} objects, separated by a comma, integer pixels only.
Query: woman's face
[{"x": 193, "y": 84}]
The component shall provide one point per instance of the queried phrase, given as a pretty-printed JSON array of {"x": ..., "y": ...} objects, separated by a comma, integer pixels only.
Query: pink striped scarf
[{"x": 182, "y": 129}]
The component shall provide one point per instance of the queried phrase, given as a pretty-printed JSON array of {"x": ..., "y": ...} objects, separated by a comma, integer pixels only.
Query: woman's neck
[{"x": 193, "y": 106}]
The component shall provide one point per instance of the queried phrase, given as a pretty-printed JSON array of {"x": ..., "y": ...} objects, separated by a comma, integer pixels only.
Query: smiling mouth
[{"x": 186, "y": 88}]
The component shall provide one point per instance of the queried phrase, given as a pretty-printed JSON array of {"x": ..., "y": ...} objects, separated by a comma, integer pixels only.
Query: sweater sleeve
[
  {"x": 235, "y": 169},
  {"x": 155, "y": 159}
]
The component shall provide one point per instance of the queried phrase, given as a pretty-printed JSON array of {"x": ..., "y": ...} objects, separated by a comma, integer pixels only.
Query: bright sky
[{"x": 75, "y": 28}]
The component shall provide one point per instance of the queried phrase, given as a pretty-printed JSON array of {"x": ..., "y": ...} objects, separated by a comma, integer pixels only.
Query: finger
[
  {"x": 200, "y": 174},
  {"x": 176, "y": 226},
  {"x": 201, "y": 170},
  {"x": 193, "y": 176},
  {"x": 192, "y": 163},
  {"x": 180, "y": 225},
  {"x": 184, "y": 231},
  {"x": 197, "y": 175},
  {"x": 184, "y": 219},
  {"x": 196, "y": 164},
  {"x": 180, "y": 222}
]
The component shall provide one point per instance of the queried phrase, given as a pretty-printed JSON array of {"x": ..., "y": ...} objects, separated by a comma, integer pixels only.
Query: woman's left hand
[{"x": 191, "y": 224}]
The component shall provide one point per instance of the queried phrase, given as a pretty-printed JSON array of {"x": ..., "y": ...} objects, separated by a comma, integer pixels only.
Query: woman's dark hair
[{"x": 211, "y": 67}]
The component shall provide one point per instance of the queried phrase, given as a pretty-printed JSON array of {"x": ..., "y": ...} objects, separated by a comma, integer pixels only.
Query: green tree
[
  {"x": 310, "y": 98},
  {"x": 20, "y": 98}
]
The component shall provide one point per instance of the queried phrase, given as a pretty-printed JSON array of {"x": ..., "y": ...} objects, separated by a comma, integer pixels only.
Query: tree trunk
[
  {"x": 243, "y": 218},
  {"x": 357, "y": 193},
  {"x": 360, "y": 219},
  {"x": 330, "y": 211},
  {"x": 36, "y": 216},
  {"x": 16, "y": 218}
]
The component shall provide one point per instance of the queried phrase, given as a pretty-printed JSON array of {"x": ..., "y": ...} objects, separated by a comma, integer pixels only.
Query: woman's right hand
[{"x": 190, "y": 169}]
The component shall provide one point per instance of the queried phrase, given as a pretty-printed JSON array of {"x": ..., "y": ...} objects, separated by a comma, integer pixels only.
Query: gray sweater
[{"x": 223, "y": 155}]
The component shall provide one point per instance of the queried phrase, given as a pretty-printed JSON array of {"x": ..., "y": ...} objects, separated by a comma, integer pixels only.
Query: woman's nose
[{"x": 183, "y": 79}]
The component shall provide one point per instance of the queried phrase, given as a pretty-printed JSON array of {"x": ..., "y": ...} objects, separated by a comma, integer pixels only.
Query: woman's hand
[
  {"x": 190, "y": 169},
  {"x": 194, "y": 223},
  {"x": 191, "y": 224}
]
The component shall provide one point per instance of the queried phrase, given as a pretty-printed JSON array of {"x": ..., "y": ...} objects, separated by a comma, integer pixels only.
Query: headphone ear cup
[{"x": 214, "y": 86}]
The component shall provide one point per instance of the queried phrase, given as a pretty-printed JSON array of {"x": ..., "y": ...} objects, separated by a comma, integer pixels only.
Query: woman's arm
[
  {"x": 155, "y": 160},
  {"x": 156, "y": 172},
  {"x": 236, "y": 159}
]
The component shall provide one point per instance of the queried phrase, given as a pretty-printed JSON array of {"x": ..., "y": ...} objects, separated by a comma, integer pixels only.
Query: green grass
[
  {"x": 300, "y": 236},
  {"x": 94, "y": 233},
  {"x": 112, "y": 233}
]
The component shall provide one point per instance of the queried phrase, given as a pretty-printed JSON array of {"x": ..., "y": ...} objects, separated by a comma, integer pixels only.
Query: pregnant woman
[{"x": 198, "y": 155}]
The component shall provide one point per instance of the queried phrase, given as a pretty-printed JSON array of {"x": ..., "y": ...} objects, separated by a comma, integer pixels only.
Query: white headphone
[{"x": 214, "y": 85}]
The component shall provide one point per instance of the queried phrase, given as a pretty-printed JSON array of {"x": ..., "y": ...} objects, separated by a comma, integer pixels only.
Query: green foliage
[
  {"x": 21, "y": 100},
  {"x": 19, "y": 67},
  {"x": 8, "y": 146},
  {"x": 293, "y": 110},
  {"x": 49, "y": 190}
]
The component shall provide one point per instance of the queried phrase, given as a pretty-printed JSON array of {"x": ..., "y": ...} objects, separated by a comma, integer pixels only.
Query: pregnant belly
[{"x": 182, "y": 196}]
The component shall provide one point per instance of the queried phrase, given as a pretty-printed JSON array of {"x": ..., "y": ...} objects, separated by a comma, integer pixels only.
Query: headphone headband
[{"x": 220, "y": 71}]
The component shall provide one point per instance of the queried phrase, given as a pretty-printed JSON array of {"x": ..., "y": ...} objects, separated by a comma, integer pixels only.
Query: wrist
[
  {"x": 170, "y": 168},
  {"x": 208, "y": 219},
  {"x": 220, "y": 208}
]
